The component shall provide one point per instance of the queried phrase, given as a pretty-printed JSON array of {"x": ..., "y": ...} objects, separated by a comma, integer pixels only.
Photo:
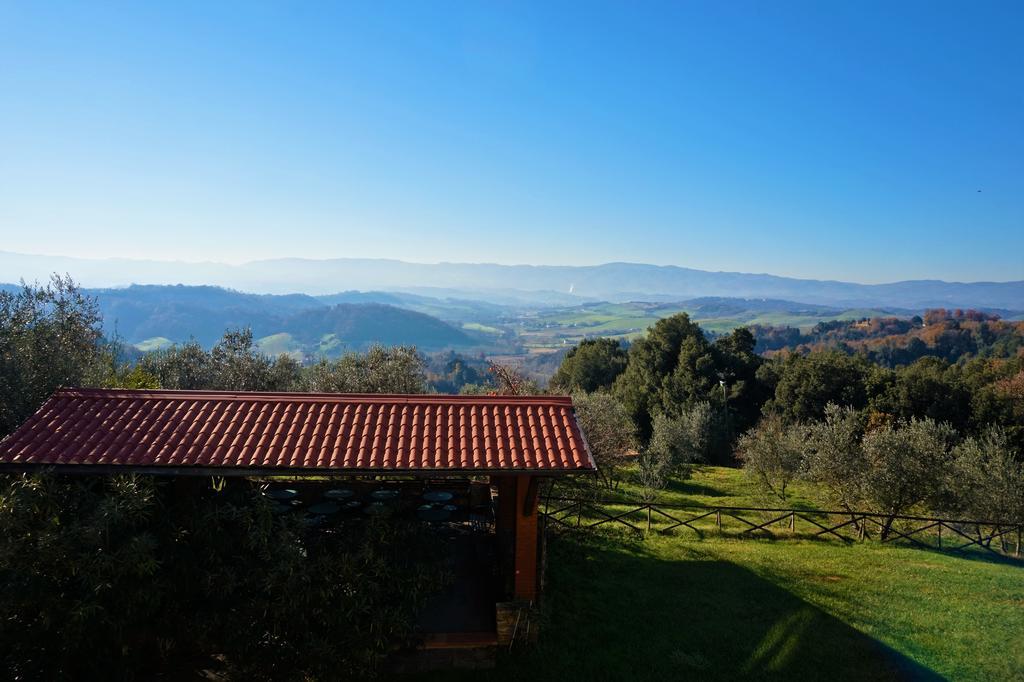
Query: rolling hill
[{"x": 152, "y": 317}]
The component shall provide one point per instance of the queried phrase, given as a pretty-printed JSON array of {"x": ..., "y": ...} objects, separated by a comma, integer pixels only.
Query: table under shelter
[{"x": 473, "y": 462}]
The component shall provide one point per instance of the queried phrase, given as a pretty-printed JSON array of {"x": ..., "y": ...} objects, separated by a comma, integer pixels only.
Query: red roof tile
[{"x": 290, "y": 431}]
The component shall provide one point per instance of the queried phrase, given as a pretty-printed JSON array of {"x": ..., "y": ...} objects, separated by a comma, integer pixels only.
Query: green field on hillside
[
  {"x": 155, "y": 343},
  {"x": 621, "y": 319},
  {"x": 669, "y": 607},
  {"x": 478, "y": 327},
  {"x": 279, "y": 344}
]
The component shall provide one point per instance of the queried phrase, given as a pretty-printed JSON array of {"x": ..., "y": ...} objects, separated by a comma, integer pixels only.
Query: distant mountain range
[{"x": 516, "y": 284}]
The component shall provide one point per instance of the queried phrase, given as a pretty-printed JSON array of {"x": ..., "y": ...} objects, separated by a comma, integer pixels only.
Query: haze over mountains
[{"x": 511, "y": 284}]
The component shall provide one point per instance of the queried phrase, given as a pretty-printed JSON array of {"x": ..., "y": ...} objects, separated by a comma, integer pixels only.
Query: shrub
[
  {"x": 653, "y": 471},
  {"x": 123, "y": 578}
]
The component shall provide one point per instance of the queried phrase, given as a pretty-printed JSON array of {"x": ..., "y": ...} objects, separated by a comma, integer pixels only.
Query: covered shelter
[{"x": 504, "y": 445}]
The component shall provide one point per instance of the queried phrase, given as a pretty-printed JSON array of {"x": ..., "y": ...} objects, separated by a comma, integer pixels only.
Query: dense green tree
[
  {"x": 928, "y": 388},
  {"x": 806, "y": 384},
  {"x": 592, "y": 365},
  {"x": 737, "y": 365},
  {"x": 673, "y": 366},
  {"x": 997, "y": 396},
  {"x": 49, "y": 337}
]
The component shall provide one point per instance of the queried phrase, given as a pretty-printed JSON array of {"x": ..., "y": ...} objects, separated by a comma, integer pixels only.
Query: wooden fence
[{"x": 955, "y": 535}]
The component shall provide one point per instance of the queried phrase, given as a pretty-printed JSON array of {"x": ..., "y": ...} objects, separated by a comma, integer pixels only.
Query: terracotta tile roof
[{"x": 231, "y": 432}]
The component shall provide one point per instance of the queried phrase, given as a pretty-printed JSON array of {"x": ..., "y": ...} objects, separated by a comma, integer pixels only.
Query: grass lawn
[
  {"x": 720, "y": 486},
  {"x": 618, "y": 607}
]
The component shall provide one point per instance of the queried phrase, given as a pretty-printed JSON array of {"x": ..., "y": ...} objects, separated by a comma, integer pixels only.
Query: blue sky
[{"x": 811, "y": 139}]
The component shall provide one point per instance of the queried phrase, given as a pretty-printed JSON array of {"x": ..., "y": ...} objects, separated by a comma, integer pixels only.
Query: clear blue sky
[{"x": 817, "y": 139}]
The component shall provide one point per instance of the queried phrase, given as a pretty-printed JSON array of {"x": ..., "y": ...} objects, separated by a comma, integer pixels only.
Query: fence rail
[{"x": 961, "y": 535}]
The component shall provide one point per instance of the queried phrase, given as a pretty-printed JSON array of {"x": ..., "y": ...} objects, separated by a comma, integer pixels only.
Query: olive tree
[
  {"x": 238, "y": 365},
  {"x": 683, "y": 440},
  {"x": 187, "y": 367},
  {"x": 772, "y": 453},
  {"x": 906, "y": 465},
  {"x": 609, "y": 432},
  {"x": 234, "y": 363},
  {"x": 989, "y": 478},
  {"x": 399, "y": 369},
  {"x": 834, "y": 457},
  {"x": 49, "y": 337}
]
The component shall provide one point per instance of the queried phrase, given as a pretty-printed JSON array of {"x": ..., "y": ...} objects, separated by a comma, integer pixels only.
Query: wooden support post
[
  {"x": 505, "y": 529},
  {"x": 718, "y": 519},
  {"x": 648, "y": 518},
  {"x": 792, "y": 522},
  {"x": 526, "y": 569},
  {"x": 940, "y": 535}
]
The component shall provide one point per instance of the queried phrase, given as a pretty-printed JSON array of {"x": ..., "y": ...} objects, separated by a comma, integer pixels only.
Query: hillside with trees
[
  {"x": 890, "y": 341},
  {"x": 694, "y": 400}
]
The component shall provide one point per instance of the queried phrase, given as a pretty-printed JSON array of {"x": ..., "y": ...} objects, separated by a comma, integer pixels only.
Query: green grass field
[{"x": 674, "y": 607}]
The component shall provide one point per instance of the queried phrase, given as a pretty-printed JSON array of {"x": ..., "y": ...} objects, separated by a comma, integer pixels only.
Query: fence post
[
  {"x": 861, "y": 528},
  {"x": 1016, "y": 552},
  {"x": 718, "y": 519},
  {"x": 792, "y": 522},
  {"x": 940, "y": 534},
  {"x": 648, "y": 518}
]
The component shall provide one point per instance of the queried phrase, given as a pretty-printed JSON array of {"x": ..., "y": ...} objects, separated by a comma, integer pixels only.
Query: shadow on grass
[
  {"x": 617, "y": 613},
  {"x": 689, "y": 488}
]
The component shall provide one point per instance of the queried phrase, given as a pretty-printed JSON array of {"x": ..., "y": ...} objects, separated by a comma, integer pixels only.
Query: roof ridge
[
  {"x": 238, "y": 433},
  {"x": 395, "y": 398}
]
